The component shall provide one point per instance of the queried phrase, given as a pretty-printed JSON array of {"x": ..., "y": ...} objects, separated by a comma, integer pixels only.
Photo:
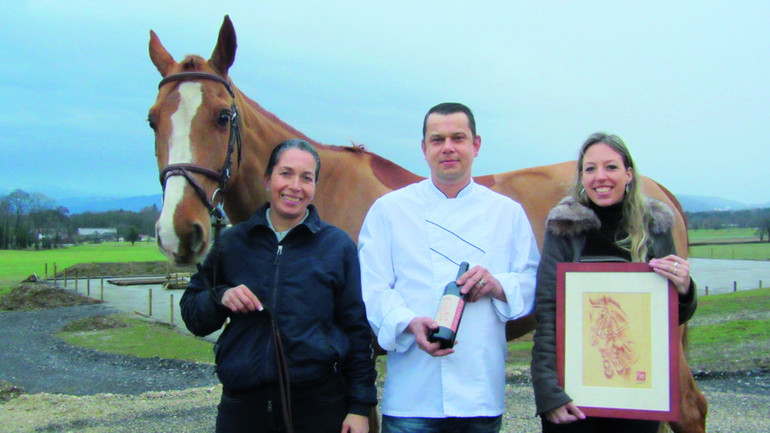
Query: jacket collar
[
  {"x": 312, "y": 222},
  {"x": 570, "y": 217}
]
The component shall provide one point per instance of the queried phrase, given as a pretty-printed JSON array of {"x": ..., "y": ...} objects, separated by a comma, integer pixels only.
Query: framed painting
[{"x": 617, "y": 340}]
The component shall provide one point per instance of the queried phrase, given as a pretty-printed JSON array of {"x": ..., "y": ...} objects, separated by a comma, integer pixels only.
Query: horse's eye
[{"x": 224, "y": 118}]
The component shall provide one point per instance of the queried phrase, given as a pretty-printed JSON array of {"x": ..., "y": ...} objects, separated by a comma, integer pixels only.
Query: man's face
[{"x": 449, "y": 148}]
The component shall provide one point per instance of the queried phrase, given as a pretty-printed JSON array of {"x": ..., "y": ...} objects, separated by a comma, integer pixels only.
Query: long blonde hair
[{"x": 634, "y": 202}]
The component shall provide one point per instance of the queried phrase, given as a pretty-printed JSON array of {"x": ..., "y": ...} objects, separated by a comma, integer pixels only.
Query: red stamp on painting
[{"x": 641, "y": 376}]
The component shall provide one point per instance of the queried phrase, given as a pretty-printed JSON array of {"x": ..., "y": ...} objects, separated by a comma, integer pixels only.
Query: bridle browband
[{"x": 185, "y": 169}]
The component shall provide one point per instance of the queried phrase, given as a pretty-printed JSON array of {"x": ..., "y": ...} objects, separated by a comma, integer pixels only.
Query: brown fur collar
[{"x": 569, "y": 217}]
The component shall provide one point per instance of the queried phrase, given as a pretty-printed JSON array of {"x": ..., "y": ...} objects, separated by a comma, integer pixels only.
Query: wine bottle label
[{"x": 450, "y": 310}]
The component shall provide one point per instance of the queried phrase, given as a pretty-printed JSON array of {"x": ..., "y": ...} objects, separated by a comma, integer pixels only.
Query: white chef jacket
[{"x": 410, "y": 246}]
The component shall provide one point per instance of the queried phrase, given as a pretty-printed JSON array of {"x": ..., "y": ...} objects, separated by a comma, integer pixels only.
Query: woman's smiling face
[
  {"x": 292, "y": 187},
  {"x": 604, "y": 175}
]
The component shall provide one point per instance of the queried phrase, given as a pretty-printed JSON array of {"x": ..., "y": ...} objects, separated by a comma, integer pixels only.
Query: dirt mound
[
  {"x": 36, "y": 296},
  {"x": 118, "y": 269}
]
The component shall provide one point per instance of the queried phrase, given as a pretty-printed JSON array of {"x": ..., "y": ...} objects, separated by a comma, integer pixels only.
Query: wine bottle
[{"x": 450, "y": 311}]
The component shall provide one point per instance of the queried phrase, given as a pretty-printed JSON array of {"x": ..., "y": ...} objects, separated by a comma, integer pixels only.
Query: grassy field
[
  {"x": 715, "y": 235},
  {"x": 732, "y": 251},
  {"x": 731, "y": 331},
  {"x": 17, "y": 265},
  {"x": 725, "y": 244},
  {"x": 133, "y": 335}
]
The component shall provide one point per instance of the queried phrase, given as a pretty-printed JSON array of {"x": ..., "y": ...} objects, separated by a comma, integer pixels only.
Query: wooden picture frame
[{"x": 617, "y": 340}]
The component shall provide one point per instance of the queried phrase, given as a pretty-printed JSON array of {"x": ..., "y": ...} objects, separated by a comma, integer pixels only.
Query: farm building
[{"x": 98, "y": 234}]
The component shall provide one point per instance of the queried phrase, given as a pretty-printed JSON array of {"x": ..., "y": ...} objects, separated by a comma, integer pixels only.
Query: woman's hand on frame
[{"x": 675, "y": 269}]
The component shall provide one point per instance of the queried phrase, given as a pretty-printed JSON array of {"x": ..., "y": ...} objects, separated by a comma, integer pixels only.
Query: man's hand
[
  {"x": 479, "y": 282},
  {"x": 240, "y": 299},
  {"x": 422, "y": 327}
]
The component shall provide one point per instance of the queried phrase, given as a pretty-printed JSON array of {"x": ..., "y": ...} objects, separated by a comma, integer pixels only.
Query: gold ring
[{"x": 482, "y": 283}]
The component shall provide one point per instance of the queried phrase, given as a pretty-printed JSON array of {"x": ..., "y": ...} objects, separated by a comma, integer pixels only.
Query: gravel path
[
  {"x": 77, "y": 390},
  {"x": 36, "y": 361}
]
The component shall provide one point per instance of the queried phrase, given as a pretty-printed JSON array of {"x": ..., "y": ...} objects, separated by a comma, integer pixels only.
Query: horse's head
[{"x": 197, "y": 143}]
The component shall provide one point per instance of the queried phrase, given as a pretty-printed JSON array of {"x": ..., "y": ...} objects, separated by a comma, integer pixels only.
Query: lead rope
[
  {"x": 283, "y": 377},
  {"x": 280, "y": 357}
]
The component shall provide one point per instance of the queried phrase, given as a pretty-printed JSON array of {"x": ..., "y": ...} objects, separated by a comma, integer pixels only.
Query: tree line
[
  {"x": 33, "y": 221},
  {"x": 758, "y": 219}
]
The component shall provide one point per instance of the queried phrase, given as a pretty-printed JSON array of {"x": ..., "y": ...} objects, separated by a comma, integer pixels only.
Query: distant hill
[
  {"x": 697, "y": 203},
  {"x": 78, "y": 205}
]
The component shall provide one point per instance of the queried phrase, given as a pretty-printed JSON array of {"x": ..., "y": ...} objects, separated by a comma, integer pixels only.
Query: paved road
[{"x": 719, "y": 275}]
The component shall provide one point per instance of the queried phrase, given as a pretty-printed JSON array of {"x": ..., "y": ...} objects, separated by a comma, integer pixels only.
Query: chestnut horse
[{"x": 212, "y": 145}]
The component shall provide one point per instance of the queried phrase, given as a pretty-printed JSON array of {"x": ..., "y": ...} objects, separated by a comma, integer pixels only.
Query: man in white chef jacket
[{"x": 410, "y": 246}]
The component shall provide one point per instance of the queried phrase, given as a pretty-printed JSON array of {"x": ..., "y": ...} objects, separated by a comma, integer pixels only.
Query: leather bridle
[
  {"x": 217, "y": 217},
  {"x": 221, "y": 176}
]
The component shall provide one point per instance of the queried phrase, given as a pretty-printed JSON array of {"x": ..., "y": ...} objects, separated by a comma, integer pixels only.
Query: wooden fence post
[
  {"x": 171, "y": 307},
  {"x": 735, "y": 286},
  {"x": 150, "y": 302}
]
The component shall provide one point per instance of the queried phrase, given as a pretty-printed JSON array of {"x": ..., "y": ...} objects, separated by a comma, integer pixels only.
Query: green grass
[
  {"x": 732, "y": 251},
  {"x": 142, "y": 338},
  {"x": 716, "y": 307},
  {"x": 728, "y": 250},
  {"x": 706, "y": 235},
  {"x": 520, "y": 352},
  {"x": 17, "y": 265},
  {"x": 731, "y": 331}
]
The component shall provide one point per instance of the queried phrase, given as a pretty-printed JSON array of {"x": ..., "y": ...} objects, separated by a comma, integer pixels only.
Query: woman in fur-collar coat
[{"x": 606, "y": 215}]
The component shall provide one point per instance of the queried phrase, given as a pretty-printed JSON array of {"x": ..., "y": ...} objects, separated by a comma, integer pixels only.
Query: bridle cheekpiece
[{"x": 223, "y": 175}]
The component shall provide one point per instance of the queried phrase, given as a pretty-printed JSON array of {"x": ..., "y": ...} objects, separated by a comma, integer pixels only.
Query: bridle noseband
[{"x": 185, "y": 169}]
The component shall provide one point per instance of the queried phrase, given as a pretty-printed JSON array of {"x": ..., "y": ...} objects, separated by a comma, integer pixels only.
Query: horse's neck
[
  {"x": 348, "y": 184},
  {"x": 260, "y": 132}
]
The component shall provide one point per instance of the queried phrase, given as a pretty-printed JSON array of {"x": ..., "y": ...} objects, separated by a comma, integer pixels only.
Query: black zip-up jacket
[{"x": 311, "y": 283}]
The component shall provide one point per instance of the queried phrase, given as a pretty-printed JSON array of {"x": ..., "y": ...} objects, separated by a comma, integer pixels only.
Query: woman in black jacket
[
  {"x": 606, "y": 214},
  {"x": 286, "y": 265}
]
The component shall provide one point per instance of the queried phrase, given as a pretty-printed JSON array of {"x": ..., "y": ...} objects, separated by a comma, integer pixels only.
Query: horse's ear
[
  {"x": 160, "y": 57},
  {"x": 224, "y": 53}
]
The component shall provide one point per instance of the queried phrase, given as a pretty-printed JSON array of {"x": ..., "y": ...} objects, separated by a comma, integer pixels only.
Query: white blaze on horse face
[{"x": 179, "y": 152}]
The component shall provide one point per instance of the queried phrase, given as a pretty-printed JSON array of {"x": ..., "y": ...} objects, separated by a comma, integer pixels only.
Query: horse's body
[{"x": 191, "y": 119}]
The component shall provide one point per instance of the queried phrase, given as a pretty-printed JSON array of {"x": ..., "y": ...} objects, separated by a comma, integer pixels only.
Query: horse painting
[{"x": 212, "y": 145}]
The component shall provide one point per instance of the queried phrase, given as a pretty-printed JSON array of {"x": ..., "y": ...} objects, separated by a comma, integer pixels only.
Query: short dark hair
[
  {"x": 446, "y": 108},
  {"x": 293, "y": 143}
]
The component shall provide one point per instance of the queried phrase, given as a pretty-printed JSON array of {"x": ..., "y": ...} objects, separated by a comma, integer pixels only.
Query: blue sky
[{"x": 685, "y": 83}]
